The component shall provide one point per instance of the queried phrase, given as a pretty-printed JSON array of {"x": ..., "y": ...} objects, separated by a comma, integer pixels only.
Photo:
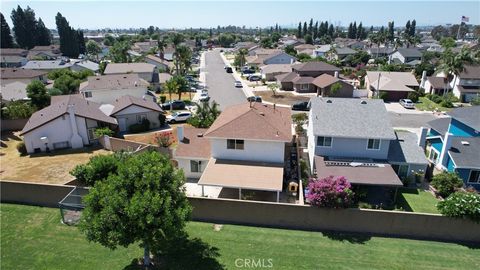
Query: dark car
[
  {"x": 254, "y": 78},
  {"x": 229, "y": 70},
  {"x": 248, "y": 71},
  {"x": 300, "y": 106},
  {"x": 254, "y": 99},
  {"x": 174, "y": 105}
]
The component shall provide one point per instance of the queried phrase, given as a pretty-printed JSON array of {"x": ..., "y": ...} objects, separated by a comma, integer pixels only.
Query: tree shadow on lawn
[
  {"x": 349, "y": 237},
  {"x": 185, "y": 254}
]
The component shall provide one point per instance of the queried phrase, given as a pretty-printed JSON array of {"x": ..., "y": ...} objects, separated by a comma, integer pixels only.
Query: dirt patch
[
  {"x": 50, "y": 168},
  {"x": 280, "y": 98}
]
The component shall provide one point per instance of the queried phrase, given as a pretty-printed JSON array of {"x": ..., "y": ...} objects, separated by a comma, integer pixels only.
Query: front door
[{"x": 122, "y": 124}]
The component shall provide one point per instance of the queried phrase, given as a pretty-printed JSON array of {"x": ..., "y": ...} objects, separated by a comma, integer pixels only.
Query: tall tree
[
  {"x": 407, "y": 29},
  {"x": 81, "y": 42},
  {"x": 24, "y": 27},
  {"x": 310, "y": 27},
  {"x": 299, "y": 30},
  {"x": 42, "y": 34},
  {"x": 69, "y": 44},
  {"x": 360, "y": 31},
  {"x": 391, "y": 31},
  {"x": 6, "y": 37},
  {"x": 350, "y": 30},
  {"x": 315, "y": 30},
  {"x": 143, "y": 202},
  {"x": 93, "y": 49},
  {"x": 176, "y": 39},
  {"x": 305, "y": 30},
  {"x": 452, "y": 64},
  {"x": 354, "y": 30},
  {"x": 331, "y": 31},
  {"x": 412, "y": 28}
]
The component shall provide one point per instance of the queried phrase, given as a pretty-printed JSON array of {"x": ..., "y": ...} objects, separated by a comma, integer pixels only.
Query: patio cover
[
  {"x": 243, "y": 175},
  {"x": 379, "y": 175}
]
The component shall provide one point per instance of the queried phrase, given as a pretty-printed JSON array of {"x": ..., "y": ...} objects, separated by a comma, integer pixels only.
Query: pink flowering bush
[{"x": 331, "y": 191}]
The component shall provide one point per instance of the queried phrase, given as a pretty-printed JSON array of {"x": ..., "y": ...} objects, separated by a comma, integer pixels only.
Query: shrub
[
  {"x": 146, "y": 124},
  {"x": 162, "y": 119},
  {"x": 136, "y": 128},
  {"x": 98, "y": 168},
  {"x": 163, "y": 99},
  {"x": 21, "y": 148},
  {"x": 445, "y": 183},
  {"x": 330, "y": 192},
  {"x": 383, "y": 95},
  {"x": 435, "y": 98},
  {"x": 461, "y": 205},
  {"x": 475, "y": 101},
  {"x": 99, "y": 132},
  {"x": 164, "y": 141},
  {"x": 413, "y": 96}
]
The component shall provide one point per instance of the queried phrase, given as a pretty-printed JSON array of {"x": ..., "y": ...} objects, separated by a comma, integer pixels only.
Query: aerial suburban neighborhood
[{"x": 229, "y": 135}]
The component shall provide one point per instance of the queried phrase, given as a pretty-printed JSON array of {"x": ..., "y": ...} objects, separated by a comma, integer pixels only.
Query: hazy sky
[{"x": 183, "y": 14}]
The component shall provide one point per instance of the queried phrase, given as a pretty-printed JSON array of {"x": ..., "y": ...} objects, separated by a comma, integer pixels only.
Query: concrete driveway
[
  {"x": 220, "y": 85},
  {"x": 395, "y": 107}
]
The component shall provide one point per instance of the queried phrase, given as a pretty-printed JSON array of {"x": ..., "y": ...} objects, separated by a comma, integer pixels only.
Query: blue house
[{"x": 453, "y": 144}]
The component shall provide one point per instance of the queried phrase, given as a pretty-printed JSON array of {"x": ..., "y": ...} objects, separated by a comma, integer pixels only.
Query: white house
[
  {"x": 247, "y": 144},
  {"x": 69, "y": 122},
  {"x": 129, "y": 110},
  {"x": 107, "y": 89},
  {"x": 146, "y": 71},
  {"x": 193, "y": 151},
  {"x": 467, "y": 84}
]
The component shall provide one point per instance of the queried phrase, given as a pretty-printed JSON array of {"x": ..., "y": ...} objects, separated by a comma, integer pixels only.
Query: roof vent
[
  {"x": 124, "y": 77},
  {"x": 465, "y": 143},
  {"x": 262, "y": 113},
  {"x": 363, "y": 102},
  {"x": 329, "y": 101},
  {"x": 200, "y": 135},
  {"x": 98, "y": 79}
]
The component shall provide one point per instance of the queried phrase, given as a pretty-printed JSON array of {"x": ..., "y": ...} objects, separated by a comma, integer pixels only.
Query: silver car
[{"x": 407, "y": 103}]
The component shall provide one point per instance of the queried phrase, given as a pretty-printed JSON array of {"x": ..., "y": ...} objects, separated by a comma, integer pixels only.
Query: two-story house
[
  {"x": 467, "y": 84},
  {"x": 453, "y": 144},
  {"x": 145, "y": 71},
  {"x": 107, "y": 89},
  {"x": 247, "y": 148},
  {"x": 354, "y": 138},
  {"x": 407, "y": 56}
]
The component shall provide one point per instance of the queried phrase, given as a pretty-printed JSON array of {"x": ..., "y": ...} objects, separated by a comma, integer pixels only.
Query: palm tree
[
  {"x": 171, "y": 86},
  {"x": 162, "y": 44},
  {"x": 398, "y": 43},
  {"x": 182, "y": 85},
  {"x": 184, "y": 56},
  {"x": 176, "y": 39},
  {"x": 205, "y": 115},
  {"x": 242, "y": 56},
  {"x": 452, "y": 64}
]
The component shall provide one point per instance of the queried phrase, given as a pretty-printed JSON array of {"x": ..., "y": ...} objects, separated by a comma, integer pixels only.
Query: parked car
[
  {"x": 238, "y": 84},
  {"x": 254, "y": 99},
  {"x": 178, "y": 117},
  {"x": 229, "y": 70},
  {"x": 175, "y": 105},
  {"x": 407, "y": 103},
  {"x": 300, "y": 106},
  {"x": 204, "y": 97},
  {"x": 254, "y": 78},
  {"x": 247, "y": 70}
]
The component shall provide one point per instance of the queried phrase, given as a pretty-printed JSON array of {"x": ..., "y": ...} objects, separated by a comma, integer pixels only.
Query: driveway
[
  {"x": 408, "y": 120},
  {"x": 397, "y": 108},
  {"x": 220, "y": 84}
]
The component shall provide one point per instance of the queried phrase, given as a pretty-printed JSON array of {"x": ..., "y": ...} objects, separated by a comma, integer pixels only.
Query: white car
[
  {"x": 238, "y": 84},
  {"x": 179, "y": 117},
  {"x": 407, "y": 103},
  {"x": 204, "y": 97}
]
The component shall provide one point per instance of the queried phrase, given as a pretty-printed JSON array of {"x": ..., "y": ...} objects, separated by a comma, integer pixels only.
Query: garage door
[
  {"x": 61, "y": 145},
  {"x": 469, "y": 97}
]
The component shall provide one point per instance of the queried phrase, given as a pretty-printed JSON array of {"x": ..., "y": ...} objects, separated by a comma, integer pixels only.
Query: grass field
[
  {"x": 425, "y": 104},
  {"x": 417, "y": 200},
  {"x": 52, "y": 168},
  {"x": 34, "y": 238}
]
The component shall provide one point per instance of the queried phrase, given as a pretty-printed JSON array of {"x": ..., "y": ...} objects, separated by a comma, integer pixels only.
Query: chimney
[
  {"x": 336, "y": 74},
  {"x": 422, "y": 137},
  {"x": 75, "y": 141},
  {"x": 180, "y": 135},
  {"x": 424, "y": 79},
  {"x": 274, "y": 106},
  {"x": 447, "y": 143}
]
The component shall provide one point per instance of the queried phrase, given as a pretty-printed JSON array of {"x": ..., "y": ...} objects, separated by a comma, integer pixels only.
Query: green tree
[
  {"x": 205, "y": 115},
  {"x": 461, "y": 205},
  {"x": 54, "y": 92},
  {"x": 69, "y": 38},
  {"x": 273, "y": 87},
  {"x": 176, "y": 39},
  {"x": 98, "y": 168},
  {"x": 37, "y": 93},
  {"x": 105, "y": 131},
  {"x": 452, "y": 64},
  {"x": 304, "y": 31},
  {"x": 67, "y": 84},
  {"x": 17, "y": 109},
  {"x": 6, "y": 37},
  {"x": 447, "y": 42},
  {"x": 290, "y": 50},
  {"x": 81, "y": 42},
  {"x": 241, "y": 57},
  {"x": 182, "y": 85},
  {"x": 24, "y": 27},
  {"x": 308, "y": 39},
  {"x": 335, "y": 88},
  {"x": 144, "y": 202},
  {"x": 226, "y": 40},
  {"x": 299, "y": 30},
  {"x": 446, "y": 182},
  {"x": 184, "y": 57},
  {"x": 93, "y": 49},
  {"x": 118, "y": 53},
  {"x": 43, "y": 37},
  {"x": 171, "y": 86}
]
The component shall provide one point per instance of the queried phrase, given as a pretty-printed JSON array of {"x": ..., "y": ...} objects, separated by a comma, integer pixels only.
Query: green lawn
[
  {"x": 34, "y": 238},
  {"x": 425, "y": 104},
  {"x": 416, "y": 200}
]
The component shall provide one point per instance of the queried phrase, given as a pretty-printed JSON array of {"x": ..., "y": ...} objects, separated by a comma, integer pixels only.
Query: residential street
[{"x": 220, "y": 84}]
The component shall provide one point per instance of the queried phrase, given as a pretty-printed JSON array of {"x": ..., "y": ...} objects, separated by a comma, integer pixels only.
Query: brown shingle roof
[
  {"x": 120, "y": 81},
  {"x": 304, "y": 79},
  {"x": 127, "y": 101},
  {"x": 290, "y": 77},
  {"x": 471, "y": 72},
  {"x": 325, "y": 80},
  {"x": 437, "y": 82},
  {"x": 255, "y": 122},
  {"x": 59, "y": 107},
  {"x": 115, "y": 68},
  {"x": 13, "y": 51},
  {"x": 193, "y": 146},
  {"x": 19, "y": 73},
  {"x": 315, "y": 66}
]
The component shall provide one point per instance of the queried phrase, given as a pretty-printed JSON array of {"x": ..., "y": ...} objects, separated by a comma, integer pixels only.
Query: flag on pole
[{"x": 465, "y": 19}]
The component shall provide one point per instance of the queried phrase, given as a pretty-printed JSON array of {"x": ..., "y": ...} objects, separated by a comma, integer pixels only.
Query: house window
[
  {"x": 91, "y": 134},
  {"x": 88, "y": 94},
  {"x": 304, "y": 86},
  {"x": 433, "y": 155},
  {"x": 235, "y": 144},
  {"x": 324, "y": 141},
  {"x": 401, "y": 170},
  {"x": 140, "y": 118},
  {"x": 373, "y": 144},
  {"x": 196, "y": 166},
  {"x": 474, "y": 177}
]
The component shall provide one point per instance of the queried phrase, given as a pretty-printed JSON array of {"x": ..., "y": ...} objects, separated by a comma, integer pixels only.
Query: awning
[
  {"x": 373, "y": 174},
  {"x": 243, "y": 174}
]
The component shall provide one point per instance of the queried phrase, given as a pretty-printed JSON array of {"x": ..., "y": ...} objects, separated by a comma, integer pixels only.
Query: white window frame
[
  {"x": 302, "y": 86},
  {"x": 470, "y": 175},
  {"x": 430, "y": 153},
  {"x": 141, "y": 117},
  {"x": 324, "y": 146},
  {"x": 236, "y": 144},
  {"x": 379, "y": 144},
  {"x": 199, "y": 166},
  {"x": 88, "y": 94}
]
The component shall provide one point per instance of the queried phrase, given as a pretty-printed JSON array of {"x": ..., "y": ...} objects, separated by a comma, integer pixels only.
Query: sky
[{"x": 89, "y": 14}]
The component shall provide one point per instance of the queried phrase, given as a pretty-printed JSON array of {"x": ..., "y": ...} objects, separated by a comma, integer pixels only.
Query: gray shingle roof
[
  {"x": 470, "y": 116},
  {"x": 116, "y": 68},
  {"x": 351, "y": 118},
  {"x": 409, "y": 52},
  {"x": 20, "y": 73},
  {"x": 440, "y": 125},
  {"x": 465, "y": 155},
  {"x": 406, "y": 150},
  {"x": 48, "y": 64},
  {"x": 126, "y": 101},
  {"x": 315, "y": 66}
]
